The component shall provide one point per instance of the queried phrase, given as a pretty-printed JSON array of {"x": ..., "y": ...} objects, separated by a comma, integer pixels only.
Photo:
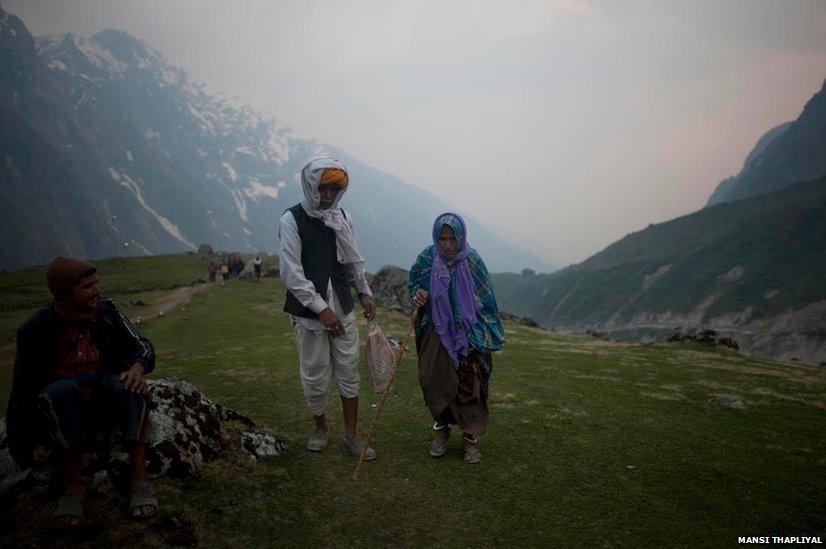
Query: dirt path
[{"x": 169, "y": 300}]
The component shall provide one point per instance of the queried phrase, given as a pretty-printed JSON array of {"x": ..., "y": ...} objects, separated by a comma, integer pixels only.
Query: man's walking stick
[{"x": 386, "y": 392}]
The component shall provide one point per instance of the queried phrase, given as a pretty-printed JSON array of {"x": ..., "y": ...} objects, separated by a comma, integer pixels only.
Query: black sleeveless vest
[{"x": 318, "y": 257}]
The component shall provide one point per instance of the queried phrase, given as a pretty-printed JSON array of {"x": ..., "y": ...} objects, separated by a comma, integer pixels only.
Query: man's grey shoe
[
  {"x": 438, "y": 446},
  {"x": 318, "y": 439},
  {"x": 353, "y": 449}
]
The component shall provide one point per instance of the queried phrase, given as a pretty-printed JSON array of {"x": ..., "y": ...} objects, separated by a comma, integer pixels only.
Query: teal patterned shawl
[{"x": 487, "y": 334}]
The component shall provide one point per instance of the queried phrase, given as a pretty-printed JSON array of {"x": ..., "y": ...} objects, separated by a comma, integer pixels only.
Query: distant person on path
[
  {"x": 237, "y": 266},
  {"x": 320, "y": 260},
  {"x": 223, "y": 272},
  {"x": 257, "y": 265},
  {"x": 458, "y": 329},
  {"x": 213, "y": 268},
  {"x": 79, "y": 369}
]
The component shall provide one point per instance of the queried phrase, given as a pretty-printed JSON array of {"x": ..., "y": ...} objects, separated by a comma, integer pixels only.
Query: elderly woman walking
[{"x": 458, "y": 328}]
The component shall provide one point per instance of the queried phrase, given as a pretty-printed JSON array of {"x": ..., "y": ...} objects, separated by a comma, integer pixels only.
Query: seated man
[{"x": 80, "y": 360}]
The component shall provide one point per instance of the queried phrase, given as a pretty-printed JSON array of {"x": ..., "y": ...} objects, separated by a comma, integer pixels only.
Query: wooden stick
[{"x": 384, "y": 395}]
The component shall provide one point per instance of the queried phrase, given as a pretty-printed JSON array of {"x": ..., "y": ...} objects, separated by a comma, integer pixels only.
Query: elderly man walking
[{"x": 320, "y": 261}]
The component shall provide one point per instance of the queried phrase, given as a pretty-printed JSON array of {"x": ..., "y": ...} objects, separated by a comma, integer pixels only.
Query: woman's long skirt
[{"x": 454, "y": 396}]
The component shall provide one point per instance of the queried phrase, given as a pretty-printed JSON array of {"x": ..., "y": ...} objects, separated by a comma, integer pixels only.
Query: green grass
[
  {"x": 591, "y": 442},
  {"x": 124, "y": 279},
  {"x": 26, "y": 288}
]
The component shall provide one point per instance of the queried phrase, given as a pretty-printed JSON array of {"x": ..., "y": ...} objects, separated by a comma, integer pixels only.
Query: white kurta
[
  {"x": 321, "y": 357},
  {"x": 292, "y": 273}
]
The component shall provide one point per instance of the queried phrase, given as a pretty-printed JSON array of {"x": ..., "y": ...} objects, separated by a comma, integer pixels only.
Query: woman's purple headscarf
[{"x": 452, "y": 321}]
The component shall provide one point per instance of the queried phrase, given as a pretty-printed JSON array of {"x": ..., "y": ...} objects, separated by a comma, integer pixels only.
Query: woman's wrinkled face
[{"x": 447, "y": 240}]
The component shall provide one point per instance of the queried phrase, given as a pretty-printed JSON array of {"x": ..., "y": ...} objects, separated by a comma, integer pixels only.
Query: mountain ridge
[
  {"x": 754, "y": 269},
  {"x": 111, "y": 150},
  {"x": 751, "y": 264},
  {"x": 787, "y": 154},
  {"x": 724, "y": 188}
]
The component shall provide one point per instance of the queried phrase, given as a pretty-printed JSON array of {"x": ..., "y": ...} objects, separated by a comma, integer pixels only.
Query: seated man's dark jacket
[{"x": 120, "y": 346}]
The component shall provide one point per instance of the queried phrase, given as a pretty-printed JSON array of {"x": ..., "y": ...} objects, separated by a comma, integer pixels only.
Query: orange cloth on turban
[{"x": 334, "y": 175}]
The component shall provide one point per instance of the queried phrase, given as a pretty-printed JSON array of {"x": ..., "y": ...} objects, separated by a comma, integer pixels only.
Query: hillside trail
[{"x": 170, "y": 300}]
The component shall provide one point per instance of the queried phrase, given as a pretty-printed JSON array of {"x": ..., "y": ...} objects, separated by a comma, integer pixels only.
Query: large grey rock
[
  {"x": 261, "y": 445},
  {"x": 186, "y": 430},
  {"x": 389, "y": 288}
]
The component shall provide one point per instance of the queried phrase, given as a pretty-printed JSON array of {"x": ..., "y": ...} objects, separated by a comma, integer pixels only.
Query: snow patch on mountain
[
  {"x": 256, "y": 190},
  {"x": 204, "y": 124},
  {"x": 4, "y": 22},
  {"x": 172, "y": 76},
  {"x": 76, "y": 51},
  {"x": 83, "y": 99},
  {"x": 143, "y": 248},
  {"x": 49, "y": 43},
  {"x": 98, "y": 56},
  {"x": 188, "y": 146},
  {"x": 240, "y": 204},
  {"x": 233, "y": 175},
  {"x": 279, "y": 148},
  {"x": 133, "y": 187}
]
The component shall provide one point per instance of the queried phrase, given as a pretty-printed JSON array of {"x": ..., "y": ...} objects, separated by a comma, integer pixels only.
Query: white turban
[{"x": 346, "y": 248}]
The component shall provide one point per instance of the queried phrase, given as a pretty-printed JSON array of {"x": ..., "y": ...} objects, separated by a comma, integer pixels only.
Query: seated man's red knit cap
[{"x": 63, "y": 272}]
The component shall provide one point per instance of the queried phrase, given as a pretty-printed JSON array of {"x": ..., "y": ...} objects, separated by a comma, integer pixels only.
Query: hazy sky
[{"x": 570, "y": 123}]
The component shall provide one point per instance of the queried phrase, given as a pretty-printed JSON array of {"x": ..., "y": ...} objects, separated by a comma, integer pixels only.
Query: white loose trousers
[{"x": 322, "y": 357}]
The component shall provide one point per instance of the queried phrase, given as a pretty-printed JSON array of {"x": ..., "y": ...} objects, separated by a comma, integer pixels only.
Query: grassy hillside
[
  {"x": 591, "y": 442},
  {"x": 767, "y": 253}
]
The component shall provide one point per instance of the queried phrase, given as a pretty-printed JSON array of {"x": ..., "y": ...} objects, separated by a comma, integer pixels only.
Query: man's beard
[{"x": 78, "y": 311}]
